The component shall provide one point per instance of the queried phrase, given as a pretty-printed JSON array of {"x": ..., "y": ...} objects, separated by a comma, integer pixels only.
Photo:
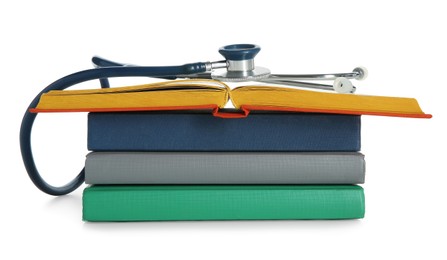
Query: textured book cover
[
  {"x": 221, "y": 202},
  {"x": 172, "y": 131},
  {"x": 224, "y": 168}
]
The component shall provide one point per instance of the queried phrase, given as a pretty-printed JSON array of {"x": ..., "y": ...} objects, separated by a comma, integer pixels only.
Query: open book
[{"x": 214, "y": 95}]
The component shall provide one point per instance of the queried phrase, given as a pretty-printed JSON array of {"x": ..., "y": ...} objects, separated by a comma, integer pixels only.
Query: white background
[{"x": 402, "y": 43}]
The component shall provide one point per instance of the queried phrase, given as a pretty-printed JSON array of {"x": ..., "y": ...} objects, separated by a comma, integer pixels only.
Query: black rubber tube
[{"x": 99, "y": 73}]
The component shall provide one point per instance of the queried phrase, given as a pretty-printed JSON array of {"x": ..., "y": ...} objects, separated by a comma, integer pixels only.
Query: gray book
[{"x": 224, "y": 168}]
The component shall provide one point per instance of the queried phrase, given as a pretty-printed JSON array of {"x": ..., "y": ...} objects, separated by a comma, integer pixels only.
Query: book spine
[
  {"x": 186, "y": 202},
  {"x": 168, "y": 131},
  {"x": 224, "y": 168}
]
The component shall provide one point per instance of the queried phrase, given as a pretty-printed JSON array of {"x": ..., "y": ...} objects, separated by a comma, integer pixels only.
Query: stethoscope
[{"x": 238, "y": 66}]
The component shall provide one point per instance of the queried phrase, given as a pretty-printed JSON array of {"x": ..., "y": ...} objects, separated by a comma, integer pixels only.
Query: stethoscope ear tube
[
  {"x": 28, "y": 159},
  {"x": 99, "y": 73}
]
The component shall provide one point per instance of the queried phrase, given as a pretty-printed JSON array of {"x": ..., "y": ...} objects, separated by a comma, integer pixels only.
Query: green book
[{"x": 222, "y": 202}]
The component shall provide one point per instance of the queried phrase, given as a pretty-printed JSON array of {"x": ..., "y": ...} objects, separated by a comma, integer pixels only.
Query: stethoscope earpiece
[
  {"x": 362, "y": 73},
  {"x": 343, "y": 85}
]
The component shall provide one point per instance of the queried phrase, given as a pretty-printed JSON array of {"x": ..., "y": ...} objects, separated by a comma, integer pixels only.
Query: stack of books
[{"x": 169, "y": 151}]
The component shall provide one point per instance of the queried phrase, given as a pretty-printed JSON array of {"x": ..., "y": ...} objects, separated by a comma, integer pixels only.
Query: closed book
[
  {"x": 221, "y": 202},
  {"x": 224, "y": 168},
  {"x": 200, "y": 131}
]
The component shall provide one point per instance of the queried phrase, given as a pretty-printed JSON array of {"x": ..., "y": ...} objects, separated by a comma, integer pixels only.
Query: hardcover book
[
  {"x": 187, "y": 131},
  {"x": 221, "y": 202},
  {"x": 224, "y": 168}
]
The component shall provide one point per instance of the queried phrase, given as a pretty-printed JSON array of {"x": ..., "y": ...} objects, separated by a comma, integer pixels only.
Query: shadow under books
[
  {"x": 68, "y": 205},
  {"x": 229, "y": 226}
]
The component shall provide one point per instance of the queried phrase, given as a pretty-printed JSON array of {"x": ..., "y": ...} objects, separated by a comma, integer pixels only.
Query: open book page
[
  {"x": 288, "y": 99},
  {"x": 179, "y": 93}
]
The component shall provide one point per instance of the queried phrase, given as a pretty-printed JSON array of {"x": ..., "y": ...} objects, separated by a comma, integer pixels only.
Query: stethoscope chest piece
[{"x": 240, "y": 64}]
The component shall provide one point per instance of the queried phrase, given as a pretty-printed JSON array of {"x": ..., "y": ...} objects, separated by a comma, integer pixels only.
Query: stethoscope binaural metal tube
[{"x": 355, "y": 74}]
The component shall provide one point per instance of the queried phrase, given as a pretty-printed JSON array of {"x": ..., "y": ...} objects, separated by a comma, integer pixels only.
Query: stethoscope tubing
[{"x": 92, "y": 74}]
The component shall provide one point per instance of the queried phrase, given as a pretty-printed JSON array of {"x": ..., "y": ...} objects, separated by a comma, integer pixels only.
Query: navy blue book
[{"x": 201, "y": 131}]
